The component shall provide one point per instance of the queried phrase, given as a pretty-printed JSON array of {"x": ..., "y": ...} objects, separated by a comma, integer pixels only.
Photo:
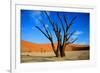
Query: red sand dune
[{"x": 32, "y": 47}]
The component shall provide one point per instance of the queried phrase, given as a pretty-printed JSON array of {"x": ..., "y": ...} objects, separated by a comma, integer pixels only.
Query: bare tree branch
[
  {"x": 61, "y": 22},
  {"x": 70, "y": 35},
  {"x": 57, "y": 28},
  {"x": 71, "y": 41},
  {"x": 70, "y": 24},
  {"x": 66, "y": 22},
  {"x": 51, "y": 22},
  {"x": 45, "y": 28},
  {"x": 42, "y": 31},
  {"x": 72, "y": 21},
  {"x": 50, "y": 33}
]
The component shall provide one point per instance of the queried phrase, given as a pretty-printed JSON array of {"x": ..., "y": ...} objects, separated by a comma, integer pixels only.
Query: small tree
[{"x": 62, "y": 39}]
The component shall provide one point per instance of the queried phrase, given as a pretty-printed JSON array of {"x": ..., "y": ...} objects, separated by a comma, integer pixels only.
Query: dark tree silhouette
[{"x": 62, "y": 39}]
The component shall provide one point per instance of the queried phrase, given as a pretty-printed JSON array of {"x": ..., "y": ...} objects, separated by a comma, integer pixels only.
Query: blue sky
[{"x": 29, "y": 19}]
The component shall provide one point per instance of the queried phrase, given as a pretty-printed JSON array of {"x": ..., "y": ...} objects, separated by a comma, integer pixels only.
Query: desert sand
[{"x": 32, "y": 52}]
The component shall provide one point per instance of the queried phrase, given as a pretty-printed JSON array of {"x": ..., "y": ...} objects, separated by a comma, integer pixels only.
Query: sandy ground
[{"x": 27, "y": 57}]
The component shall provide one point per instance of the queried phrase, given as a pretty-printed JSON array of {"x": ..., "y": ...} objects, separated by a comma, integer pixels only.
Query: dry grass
[{"x": 49, "y": 56}]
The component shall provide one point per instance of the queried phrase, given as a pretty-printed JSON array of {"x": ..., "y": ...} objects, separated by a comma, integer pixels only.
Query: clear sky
[{"x": 29, "y": 19}]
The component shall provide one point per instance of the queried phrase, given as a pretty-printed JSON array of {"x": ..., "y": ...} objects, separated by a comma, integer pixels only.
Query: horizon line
[{"x": 54, "y": 43}]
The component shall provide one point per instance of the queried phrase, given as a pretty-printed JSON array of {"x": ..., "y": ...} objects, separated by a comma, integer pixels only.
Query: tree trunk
[
  {"x": 62, "y": 52},
  {"x": 57, "y": 52}
]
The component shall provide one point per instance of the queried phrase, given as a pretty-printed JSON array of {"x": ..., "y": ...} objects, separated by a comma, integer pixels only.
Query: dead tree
[{"x": 62, "y": 39}]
